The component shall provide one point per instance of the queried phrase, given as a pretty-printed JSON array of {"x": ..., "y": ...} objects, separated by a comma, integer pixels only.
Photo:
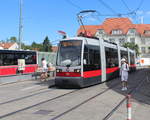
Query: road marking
[{"x": 28, "y": 88}]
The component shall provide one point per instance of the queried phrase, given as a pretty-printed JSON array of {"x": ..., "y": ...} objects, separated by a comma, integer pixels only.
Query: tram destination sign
[{"x": 70, "y": 43}]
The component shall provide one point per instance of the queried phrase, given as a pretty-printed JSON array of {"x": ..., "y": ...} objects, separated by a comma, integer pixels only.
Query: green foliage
[
  {"x": 36, "y": 46},
  {"x": 13, "y": 39},
  {"x": 10, "y": 40},
  {"x": 26, "y": 47},
  {"x": 132, "y": 46},
  {"x": 47, "y": 46}
]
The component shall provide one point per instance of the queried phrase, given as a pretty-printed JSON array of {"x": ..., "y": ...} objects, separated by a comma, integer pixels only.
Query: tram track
[
  {"x": 29, "y": 107},
  {"x": 88, "y": 100},
  {"x": 67, "y": 111},
  {"x": 132, "y": 91},
  {"x": 28, "y": 96},
  {"x": 32, "y": 93},
  {"x": 82, "y": 103},
  {"x": 49, "y": 100}
]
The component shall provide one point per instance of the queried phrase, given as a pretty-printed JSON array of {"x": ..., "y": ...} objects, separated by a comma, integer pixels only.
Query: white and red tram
[{"x": 85, "y": 61}]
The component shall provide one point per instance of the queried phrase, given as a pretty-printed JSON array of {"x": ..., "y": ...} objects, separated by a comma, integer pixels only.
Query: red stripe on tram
[
  {"x": 68, "y": 74},
  {"x": 93, "y": 73},
  {"x": 132, "y": 65},
  {"x": 110, "y": 70}
]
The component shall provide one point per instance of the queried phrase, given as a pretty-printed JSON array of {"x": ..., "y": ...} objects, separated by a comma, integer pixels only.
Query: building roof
[
  {"x": 6, "y": 45},
  {"x": 123, "y": 24}
]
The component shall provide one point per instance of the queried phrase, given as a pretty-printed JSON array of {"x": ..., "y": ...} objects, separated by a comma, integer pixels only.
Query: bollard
[{"x": 128, "y": 107}]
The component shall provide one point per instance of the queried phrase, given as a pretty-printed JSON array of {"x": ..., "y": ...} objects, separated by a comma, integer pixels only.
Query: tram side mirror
[{"x": 84, "y": 61}]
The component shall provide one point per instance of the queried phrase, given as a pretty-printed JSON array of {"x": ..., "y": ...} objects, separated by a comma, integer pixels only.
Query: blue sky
[{"x": 43, "y": 18}]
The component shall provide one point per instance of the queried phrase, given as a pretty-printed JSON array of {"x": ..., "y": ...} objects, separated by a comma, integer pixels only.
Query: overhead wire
[
  {"x": 133, "y": 12},
  {"x": 107, "y": 6},
  {"x": 126, "y": 5},
  {"x": 74, "y": 5}
]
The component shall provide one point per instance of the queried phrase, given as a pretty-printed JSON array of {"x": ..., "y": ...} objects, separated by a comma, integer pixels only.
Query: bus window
[
  {"x": 91, "y": 59},
  {"x": 8, "y": 59},
  {"x": 29, "y": 58},
  {"x": 111, "y": 57},
  {"x": 1, "y": 59}
]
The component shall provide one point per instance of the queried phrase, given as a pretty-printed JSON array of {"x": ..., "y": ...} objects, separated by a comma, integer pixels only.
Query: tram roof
[
  {"x": 78, "y": 38},
  {"x": 106, "y": 42}
]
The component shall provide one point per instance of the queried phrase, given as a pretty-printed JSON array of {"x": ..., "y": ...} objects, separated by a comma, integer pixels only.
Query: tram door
[
  {"x": 124, "y": 54},
  {"x": 112, "y": 69},
  {"x": 91, "y": 64}
]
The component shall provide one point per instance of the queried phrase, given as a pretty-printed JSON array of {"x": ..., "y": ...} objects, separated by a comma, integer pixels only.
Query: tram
[
  {"x": 85, "y": 61},
  {"x": 9, "y": 62}
]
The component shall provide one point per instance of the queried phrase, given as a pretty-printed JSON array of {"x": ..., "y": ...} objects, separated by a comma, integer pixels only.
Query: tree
[
  {"x": 132, "y": 46},
  {"x": 47, "y": 46},
  {"x": 13, "y": 39},
  {"x": 26, "y": 47}
]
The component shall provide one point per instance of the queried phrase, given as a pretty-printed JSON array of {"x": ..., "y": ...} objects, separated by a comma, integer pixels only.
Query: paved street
[{"x": 33, "y": 100}]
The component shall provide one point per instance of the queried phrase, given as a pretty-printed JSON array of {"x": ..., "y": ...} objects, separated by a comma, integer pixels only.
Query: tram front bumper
[{"x": 69, "y": 82}]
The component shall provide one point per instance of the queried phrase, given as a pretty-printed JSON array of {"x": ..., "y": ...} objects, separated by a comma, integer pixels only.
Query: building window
[
  {"x": 132, "y": 40},
  {"x": 116, "y": 32},
  {"x": 122, "y": 41},
  {"x": 146, "y": 31},
  {"x": 143, "y": 50},
  {"x": 112, "y": 40},
  {"x": 101, "y": 31},
  {"x": 143, "y": 41},
  {"x": 132, "y": 31}
]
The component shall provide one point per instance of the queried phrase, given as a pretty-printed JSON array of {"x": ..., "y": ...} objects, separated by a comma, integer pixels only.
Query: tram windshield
[{"x": 69, "y": 53}]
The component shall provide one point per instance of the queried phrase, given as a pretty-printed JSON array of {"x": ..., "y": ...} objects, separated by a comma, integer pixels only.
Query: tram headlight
[
  {"x": 58, "y": 70},
  {"x": 77, "y": 70}
]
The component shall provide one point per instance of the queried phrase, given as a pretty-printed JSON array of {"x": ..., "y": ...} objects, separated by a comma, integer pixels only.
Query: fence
[{"x": 49, "y": 56}]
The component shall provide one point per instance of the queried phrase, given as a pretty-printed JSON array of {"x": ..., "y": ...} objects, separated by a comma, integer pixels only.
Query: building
[
  {"x": 121, "y": 30},
  {"x": 9, "y": 46}
]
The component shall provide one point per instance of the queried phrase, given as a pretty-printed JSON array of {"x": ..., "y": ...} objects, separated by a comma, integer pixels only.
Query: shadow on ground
[
  {"x": 139, "y": 81},
  {"x": 49, "y": 82}
]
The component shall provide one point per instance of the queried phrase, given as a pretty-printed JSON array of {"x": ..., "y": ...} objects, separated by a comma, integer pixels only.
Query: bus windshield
[{"x": 69, "y": 53}]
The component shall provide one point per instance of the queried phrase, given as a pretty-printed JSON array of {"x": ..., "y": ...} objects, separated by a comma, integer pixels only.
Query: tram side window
[
  {"x": 91, "y": 59},
  {"x": 124, "y": 54},
  {"x": 132, "y": 61},
  {"x": 111, "y": 57}
]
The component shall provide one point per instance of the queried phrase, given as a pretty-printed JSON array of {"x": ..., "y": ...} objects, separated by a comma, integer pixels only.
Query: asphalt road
[{"x": 33, "y": 100}]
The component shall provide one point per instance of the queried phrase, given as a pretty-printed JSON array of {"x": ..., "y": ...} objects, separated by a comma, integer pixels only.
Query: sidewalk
[
  {"x": 23, "y": 78},
  {"x": 140, "y": 99},
  {"x": 15, "y": 78}
]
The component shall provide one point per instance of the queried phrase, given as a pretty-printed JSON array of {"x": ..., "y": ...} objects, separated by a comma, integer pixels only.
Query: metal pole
[
  {"x": 20, "y": 25},
  {"x": 79, "y": 17},
  {"x": 129, "y": 116}
]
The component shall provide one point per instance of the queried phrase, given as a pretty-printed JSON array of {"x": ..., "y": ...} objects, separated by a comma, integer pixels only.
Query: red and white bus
[{"x": 9, "y": 62}]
